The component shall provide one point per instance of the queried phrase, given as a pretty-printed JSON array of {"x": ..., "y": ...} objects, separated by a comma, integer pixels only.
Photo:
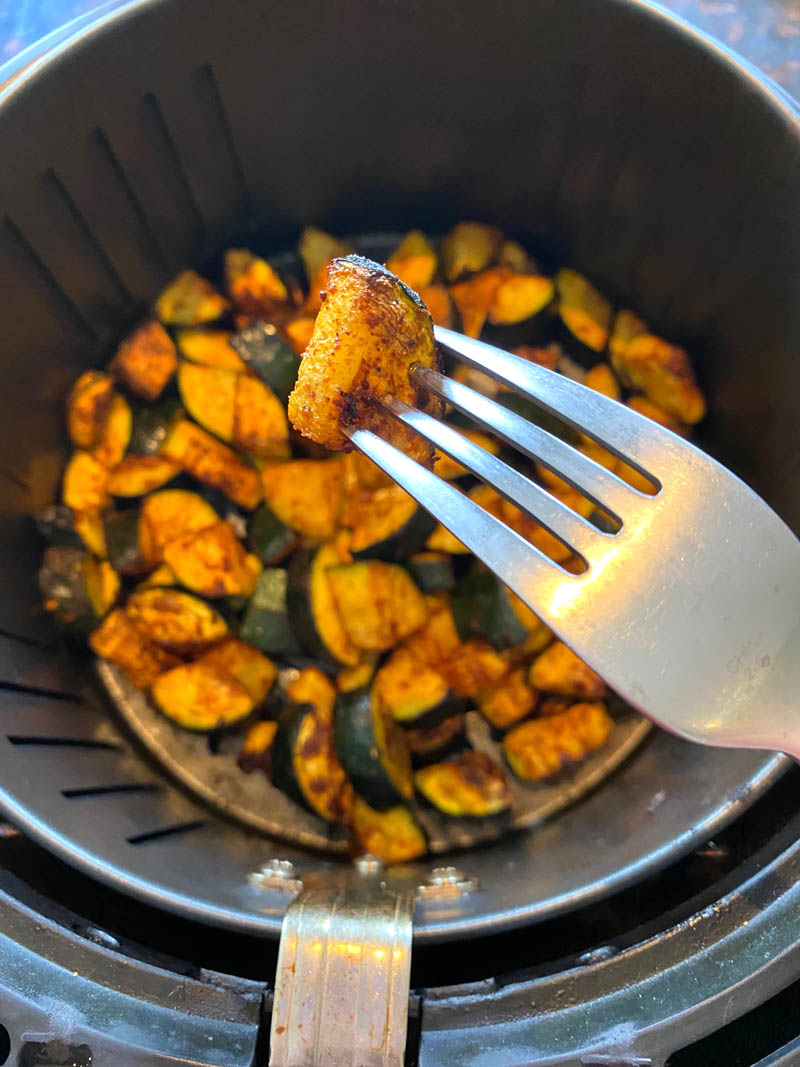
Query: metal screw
[
  {"x": 447, "y": 882},
  {"x": 276, "y": 874},
  {"x": 100, "y": 937},
  {"x": 368, "y": 864}
]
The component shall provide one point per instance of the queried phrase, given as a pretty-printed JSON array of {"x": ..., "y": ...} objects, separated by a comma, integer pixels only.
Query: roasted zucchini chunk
[
  {"x": 85, "y": 485},
  {"x": 548, "y": 357},
  {"x": 416, "y": 695},
  {"x": 540, "y": 748},
  {"x": 212, "y": 562},
  {"x": 483, "y": 606},
  {"x": 468, "y": 248},
  {"x": 122, "y": 535},
  {"x": 210, "y": 348},
  {"x": 653, "y": 411},
  {"x": 313, "y": 614},
  {"x": 137, "y": 475},
  {"x": 386, "y": 524},
  {"x": 310, "y": 686},
  {"x": 170, "y": 514},
  {"x": 448, "y": 468},
  {"x": 372, "y": 748},
  {"x": 190, "y": 300},
  {"x": 475, "y": 298},
  {"x": 247, "y": 665},
  {"x": 174, "y": 620},
  {"x": 437, "y": 640},
  {"x": 475, "y": 668},
  {"x": 437, "y": 300},
  {"x": 413, "y": 261},
  {"x": 520, "y": 298},
  {"x": 663, "y": 372},
  {"x": 78, "y": 590},
  {"x": 509, "y": 702},
  {"x": 270, "y": 539},
  {"x": 627, "y": 325},
  {"x": 151, "y": 425},
  {"x": 432, "y": 571},
  {"x": 212, "y": 463},
  {"x": 361, "y": 473},
  {"x": 60, "y": 525},
  {"x": 559, "y": 670},
  {"x": 306, "y": 765},
  {"x": 466, "y": 785},
  {"x": 88, "y": 407},
  {"x": 350, "y": 678},
  {"x": 514, "y": 256},
  {"x": 305, "y": 494},
  {"x": 434, "y": 742},
  {"x": 299, "y": 331},
  {"x": 145, "y": 361},
  {"x": 370, "y": 331},
  {"x": 317, "y": 250},
  {"x": 201, "y": 696},
  {"x": 116, "y": 432},
  {"x": 378, "y": 603},
  {"x": 584, "y": 312},
  {"x": 256, "y": 753},
  {"x": 601, "y": 379},
  {"x": 120, "y": 642},
  {"x": 209, "y": 395},
  {"x": 255, "y": 288},
  {"x": 392, "y": 835},
  {"x": 259, "y": 420},
  {"x": 266, "y": 619},
  {"x": 261, "y": 348}
]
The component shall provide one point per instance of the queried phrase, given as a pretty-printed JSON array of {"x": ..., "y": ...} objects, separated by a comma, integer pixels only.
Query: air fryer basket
[{"x": 602, "y": 132}]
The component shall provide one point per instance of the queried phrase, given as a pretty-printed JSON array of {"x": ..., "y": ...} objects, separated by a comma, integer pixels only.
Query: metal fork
[{"x": 690, "y": 610}]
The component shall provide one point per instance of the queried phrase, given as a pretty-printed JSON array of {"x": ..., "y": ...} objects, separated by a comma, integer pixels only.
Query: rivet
[
  {"x": 368, "y": 864},
  {"x": 447, "y": 882},
  {"x": 276, "y": 874}
]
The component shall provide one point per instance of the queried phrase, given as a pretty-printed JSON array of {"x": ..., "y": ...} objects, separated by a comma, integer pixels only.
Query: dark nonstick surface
[{"x": 599, "y": 131}]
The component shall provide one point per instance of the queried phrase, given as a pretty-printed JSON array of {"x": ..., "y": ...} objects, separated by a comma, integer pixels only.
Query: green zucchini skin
[
  {"x": 432, "y": 571},
  {"x": 56, "y": 525},
  {"x": 356, "y": 746},
  {"x": 290, "y": 720},
  {"x": 409, "y": 538},
  {"x": 266, "y": 625},
  {"x": 272, "y": 360},
  {"x": 298, "y": 604},
  {"x": 481, "y": 608},
  {"x": 151, "y": 424},
  {"x": 270, "y": 539},
  {"x": 62, "y": 580},
  {"x": 122, "y": 541}
]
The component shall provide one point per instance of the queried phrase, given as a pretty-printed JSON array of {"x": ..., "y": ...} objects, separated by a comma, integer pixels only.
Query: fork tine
[
  {"x": 513, "y": 559},
  {"x": 601, "y": 486},
  {"x": 625, "y": 433},
  {"x": 569, "y": 527}
]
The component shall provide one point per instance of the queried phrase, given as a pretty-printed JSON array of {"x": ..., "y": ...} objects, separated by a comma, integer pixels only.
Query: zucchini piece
[
  {"x": 168, "y": 514},
  {"x": 212, "y": 562},
  {"x": 161, "y": 577},
  {"x": 299, "y": 331},
  {"x": 247, "y": 665},
  {"x": 145, "y": 361},
  {"x": 468, "y": 785},
  {"x": 210, "y": 348},
  {"x": 378, "y": 603},
  {"x": 432, "y": 571},
  {"x": 310, "y": 686},
  {"x": 209, "y": 396},
  {"x": 520, "y": 298},
  {"x": 369, "y": 332},
  {"x": 443, "y": 541},
  {"x": 60, "y": 525},
  {"x": 433, "y": 742},
  {"x": 151, "y": 426},
  {"x": 306, "y": 766},
  {"x": 468, "y": 248},
  {"x": 413, "y": 261},
  {"x": 415, "y": 695},
  {"x": 88, "y": 407},
  {"x": 137, "y": 475},
  {"x": 627, "y": 325},
  {"x": 543, "y": 357},
  {"x": 585, "y": 313},
  {"x": 361, "y": 473},
  {"x": 387, "y": 524},
  {"x": 449, "y": 469},
  {"x": 271, "y": 540},
  {"x": 116, "y": 433},
  {"x": 261, "y": 348},
  {"x": 317, "y": 250},
  {"x": 372, "y": 748},
  {"x": 201, "y": 696},
  {"x": 514, "y": 256},
  {"x": 474, "y": 298},
  {"x": 212, "y": 463},
  {"x": 266, "y": 619},
  {"x": 305, "y": 494},
  {"x": 190, "y": 300},
  {"x": 313, "y": 614},
  {"x": 77, "y": 589},
  {"x": 350, "y": 678},
  {"x": 256, "y": 753},
  {"x": 260, "y": 426},
  {"x": 601, "y": 379},
  {"x": 89, "y": 527},
  {"x": 510, "y": 701},
  {"x": 437, "y": 640},
  {"x": 559, "y": 670},
  {"x": 119, "y": 641},
  {"x": 554, "y": 706},
  {"x": 394, "y": 835},
  {"x": 121, "y": 530},
  {"x": 475, "y": 668},
  {"x": 85, "y": 485},
  {"x": 663, "y": 372},
  {"x": 653, "y": 411},
  {"x": 538, "y": 416},
  {"x": 540, "y": 748},
  {"x": 174, "y": 620},
  {"x": 255, "y": 288},
  {"x": 482, "y": 607},
  {"x": 437, "y": 300}
]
